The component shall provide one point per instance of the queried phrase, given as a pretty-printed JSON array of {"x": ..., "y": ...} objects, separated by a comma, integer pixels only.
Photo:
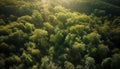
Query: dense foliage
[{"x": 53, "y": 34}]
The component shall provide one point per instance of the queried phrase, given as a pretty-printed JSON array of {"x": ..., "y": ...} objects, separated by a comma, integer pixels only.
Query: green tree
[
  {"x": 2, "y": 22},
  {"x": 78, "y": 29},
  {"x": 27, "y": 58},
  {"x": 40, "y": 37},
  {"x": 49, "y": 27},
  {"x": 106, "y": 63},
  {"x": 37, "y": 19},
  {"x": 59, "y": 37},
  {"x": 68, "y": 65},
  {"x": 89, "y": 63},
  {"x": 79, "y": 49},
  {"x": 5, "y": 30},
  {"x": 93, "y": 38},
  {"x": 116, "y": 61},
  {"x": 29, "y": 27},
  {"x": 104, "y": 49},
  {"x": 18, "y": 38},
  {"x": 37, "y": 35},
  {"x": 25, "y": 18},
  {"x": 69, "y": 39},
  {"x": 46, "y": 63}
]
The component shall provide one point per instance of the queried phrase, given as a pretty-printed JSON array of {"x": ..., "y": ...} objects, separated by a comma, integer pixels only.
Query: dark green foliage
[
  {"x": 17, "y": 38},
  {"x": 89, "y": 63},
  {"x": 116, "y": 61},
  {"x": 43, "y": 34},
  {"x": 106, "y": 63}
]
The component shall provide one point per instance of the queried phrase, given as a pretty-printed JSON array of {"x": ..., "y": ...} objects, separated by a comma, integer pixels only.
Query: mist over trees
[{"x": 65, "y": 34}]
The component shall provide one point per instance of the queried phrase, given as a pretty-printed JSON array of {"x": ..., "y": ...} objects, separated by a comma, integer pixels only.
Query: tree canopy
[{"x": 59, "y": 34}]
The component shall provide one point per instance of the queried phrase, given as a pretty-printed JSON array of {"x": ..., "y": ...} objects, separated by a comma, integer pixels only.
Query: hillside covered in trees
[{"x": 59, "y": 34}]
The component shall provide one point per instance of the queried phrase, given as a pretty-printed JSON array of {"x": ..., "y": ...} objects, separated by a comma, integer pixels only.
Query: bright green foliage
[
  {"x": 79, "y": 47},
  {"x": 37, "y": 19},
  {"x": 62, "y": 17},
  {"x": 52, "y": 38},
  {"x": 49, "y": 27},
  {"x": 27, "y": 58},
  {"x": 16, "y": 58},
  {"x": 57, "y": 38},
  {"x": 29, "y": 27},
  {"x": 82, "y": 18},
  {"x": 53, "y": 19},
  {"x": 51, "y": 50},
  {"x": 26, "y": 18},
  {"x": 78, "y": 29},
  {"x": 93, "y": 37},
  {"x": 105, "y": 28},
  {"x": 48, "y": 64},
  {"x": 68, "y": 65},
  {"x": 34, "y": 51},
  {"x": 5, "y": 30},
  {"x": 70, "y": 39},
  {"x": 37, "y": 34},
  {"x": 34, "y": 67},
  {"x": 78, "y": 51},
  {"x": 30, "y": 45},
  {"x": 60, "y": 9}
]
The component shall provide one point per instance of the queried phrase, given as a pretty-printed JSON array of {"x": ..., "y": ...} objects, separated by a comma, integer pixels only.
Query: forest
[{"x": 59, "y": 34}]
